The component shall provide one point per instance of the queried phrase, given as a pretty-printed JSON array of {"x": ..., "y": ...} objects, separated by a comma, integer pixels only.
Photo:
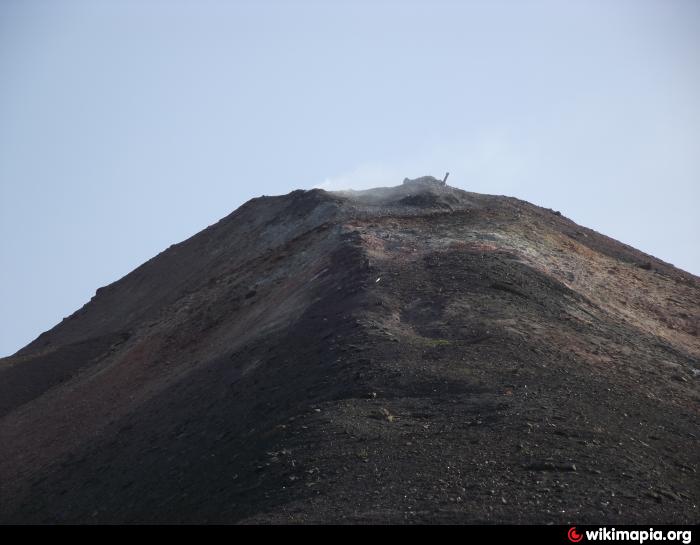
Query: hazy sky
[{"x": 128, "y": 126}]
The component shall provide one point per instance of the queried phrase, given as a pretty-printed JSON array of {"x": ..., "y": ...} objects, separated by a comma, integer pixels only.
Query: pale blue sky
[{"x": 128, "y": 126}]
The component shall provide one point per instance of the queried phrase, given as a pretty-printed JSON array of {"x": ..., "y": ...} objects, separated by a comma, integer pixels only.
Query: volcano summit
[{"x": 407, "y": 354}]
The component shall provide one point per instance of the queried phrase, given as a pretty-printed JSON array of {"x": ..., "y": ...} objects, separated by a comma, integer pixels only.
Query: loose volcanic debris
[{"x": 413, "y": 354}]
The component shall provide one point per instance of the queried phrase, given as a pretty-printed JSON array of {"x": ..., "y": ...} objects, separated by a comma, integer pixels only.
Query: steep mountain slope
[{"x": 407, "y": 354}]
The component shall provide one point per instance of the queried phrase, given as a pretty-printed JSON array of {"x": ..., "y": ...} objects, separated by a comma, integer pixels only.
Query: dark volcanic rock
[{"x": 406, "y": 354}]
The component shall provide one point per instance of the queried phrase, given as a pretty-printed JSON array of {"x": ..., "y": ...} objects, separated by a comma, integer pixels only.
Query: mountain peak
[{"x": 408, "y": 353}]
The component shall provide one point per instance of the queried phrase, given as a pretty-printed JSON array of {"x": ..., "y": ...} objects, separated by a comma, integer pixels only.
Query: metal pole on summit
[{"x": 444, "y": 180}]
